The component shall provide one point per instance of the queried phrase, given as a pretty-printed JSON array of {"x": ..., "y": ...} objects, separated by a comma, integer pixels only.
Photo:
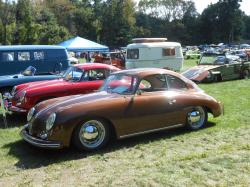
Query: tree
[
  {"x": 49, "y": 30},
  {"x": 26, "y": 31},
  {"x": 118, "y": 22},
  {"x": 223, "y": 20},
  {"x": 6, "y": 18}
]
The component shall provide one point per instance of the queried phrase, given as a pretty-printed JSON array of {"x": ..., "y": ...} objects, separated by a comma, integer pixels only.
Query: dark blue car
[{"x": 7, "y": 82}]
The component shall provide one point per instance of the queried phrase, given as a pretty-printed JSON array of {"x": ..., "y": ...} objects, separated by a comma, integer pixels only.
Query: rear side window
[
  {"x": 23, "y": 56},
  {"x": 97, "y": 74},
  {"x": 153, "y": 83},
  {"x": 168, "y": 51},
  {"x": 7, "y": 56},
  {"x": 38, "y": 55},
  {"x": 175, "y": 83},
  {"x": 133, "y": 54}
]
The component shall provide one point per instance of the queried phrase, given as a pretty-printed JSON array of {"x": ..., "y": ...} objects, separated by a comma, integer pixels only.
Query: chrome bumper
[{"x": 39, "y": 142}]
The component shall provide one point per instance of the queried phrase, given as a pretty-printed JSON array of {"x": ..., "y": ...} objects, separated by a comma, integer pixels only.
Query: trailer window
[
  {"x": 132, "y": 53},
  {"x": 168, "y": 52}
]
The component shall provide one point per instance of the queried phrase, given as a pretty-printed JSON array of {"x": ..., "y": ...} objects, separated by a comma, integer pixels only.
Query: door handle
[{"x": 172, "y": 101}]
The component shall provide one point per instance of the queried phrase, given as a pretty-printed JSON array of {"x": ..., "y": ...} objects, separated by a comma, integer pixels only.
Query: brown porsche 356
[{"x": 130, "y": 102}]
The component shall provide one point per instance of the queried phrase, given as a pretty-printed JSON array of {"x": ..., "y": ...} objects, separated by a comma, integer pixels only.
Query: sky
[{"x": 202, "y": 4}]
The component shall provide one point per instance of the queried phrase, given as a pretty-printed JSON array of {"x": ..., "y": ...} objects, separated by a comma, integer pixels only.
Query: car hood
[
  {"x": 48, "y": 84},
  {"x": 9, "y": 77},
  {"x": 62, "y": 103},
  {"x": 198, "y": 73},
  {"x": 8, "y": 80}
]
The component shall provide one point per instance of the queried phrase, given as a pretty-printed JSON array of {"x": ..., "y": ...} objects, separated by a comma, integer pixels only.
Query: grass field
[{"x": 218, "y": 155}]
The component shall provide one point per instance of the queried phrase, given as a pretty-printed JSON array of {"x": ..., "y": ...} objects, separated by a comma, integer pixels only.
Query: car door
[
  {"x": 155, "y": 107},
  {"x": 231, "y": 71}
]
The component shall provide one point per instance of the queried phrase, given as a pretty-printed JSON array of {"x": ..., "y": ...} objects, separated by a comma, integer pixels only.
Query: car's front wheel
[
  {"x": 197, "y": 118},
  {"x": 91, "y": 135}
]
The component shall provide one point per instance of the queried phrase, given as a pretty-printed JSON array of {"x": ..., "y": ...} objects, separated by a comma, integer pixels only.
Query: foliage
[
  {"x": 223, "y": 20},
  {"x": 116, "y": 22}
]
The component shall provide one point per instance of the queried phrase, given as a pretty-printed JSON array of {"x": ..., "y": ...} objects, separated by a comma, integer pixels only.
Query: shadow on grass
[
  {"x": 13, "y": 120},
  {"x": 31, "y": 157}
]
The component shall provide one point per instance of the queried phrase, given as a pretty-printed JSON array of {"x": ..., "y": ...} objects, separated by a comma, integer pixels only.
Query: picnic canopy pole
[{"x": 3, "y": 111}]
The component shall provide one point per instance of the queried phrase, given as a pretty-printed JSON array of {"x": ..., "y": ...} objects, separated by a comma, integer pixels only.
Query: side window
[
  {"x": 175, "y": 83},
  {"x": 153, "y": 83},
  {"x": 23, "y": 56},
  {"x": 38, "y": 55},
  {"x": 145, "y": 85},
  {"x": 96, "y": 74},
  {"x": 7, "y": 56},
  {"x": 133, "y": 54},
  {"x": 168, "y": 51}
]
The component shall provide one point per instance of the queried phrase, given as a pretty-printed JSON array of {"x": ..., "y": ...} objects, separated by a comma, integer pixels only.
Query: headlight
[
  {"x": 30, "y": 114},
  {"x": 22, "y": 96},
  {"x": 50, "y": 121}
]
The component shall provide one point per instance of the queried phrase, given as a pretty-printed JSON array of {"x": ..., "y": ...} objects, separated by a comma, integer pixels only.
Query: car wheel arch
[{"x": 113, "y": 132}]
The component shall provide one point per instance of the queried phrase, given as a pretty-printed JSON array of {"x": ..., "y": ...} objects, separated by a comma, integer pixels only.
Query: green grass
[{"x": 218, "y": 155}]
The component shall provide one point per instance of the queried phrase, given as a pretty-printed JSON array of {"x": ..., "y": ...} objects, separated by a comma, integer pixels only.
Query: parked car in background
[
  {"x": 45, "y": 58},
  {"x": 192, "y": 54},
  {"x": 7, "y": 82},
  {"x": 114, "y": 58},
  {"x": 214, "y": 67},
  {"x": 151, "y": 100},
  {"x": 240, "y": 53},
  {"x": 78, "y": 79},
  {"x": 154, "y": 52}
]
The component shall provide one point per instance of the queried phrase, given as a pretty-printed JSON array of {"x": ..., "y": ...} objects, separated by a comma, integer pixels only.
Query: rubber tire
[
  {"x": 204, "y": 122},
  {"x": 217, "y": 78},
  {"x": 77, "y": 143},
  {"x": 246, "y": 74}
]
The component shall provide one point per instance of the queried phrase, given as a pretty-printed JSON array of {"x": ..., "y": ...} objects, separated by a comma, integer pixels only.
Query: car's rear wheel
[
  {"x": 91, "y": 135},
  {"x": 197, "y": 118},
  {"x": 246, "y": 74}
]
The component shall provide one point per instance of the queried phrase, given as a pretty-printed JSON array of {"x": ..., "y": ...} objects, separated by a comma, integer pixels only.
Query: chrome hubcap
[
  {"x": 196, "y": 118},
  {"x": 92, "y": 133}
]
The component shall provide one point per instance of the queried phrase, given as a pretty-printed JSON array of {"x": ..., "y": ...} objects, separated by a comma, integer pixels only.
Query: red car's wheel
[
  {"x": 92, "y": 134},
  {"x": 197, "y": 118}
]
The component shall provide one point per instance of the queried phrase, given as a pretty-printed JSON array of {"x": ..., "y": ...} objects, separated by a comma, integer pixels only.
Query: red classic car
[{"x": 78, "y": 79}]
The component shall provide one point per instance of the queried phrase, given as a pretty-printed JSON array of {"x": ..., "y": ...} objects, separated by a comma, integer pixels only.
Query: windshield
[
  {"x": 121, "y": 84},
  {"x": 73, "y": 74},
  {"x": 211, "y": 60}
]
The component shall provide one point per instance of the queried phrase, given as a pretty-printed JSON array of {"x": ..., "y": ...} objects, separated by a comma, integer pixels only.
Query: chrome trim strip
[
  {"x": 153, "y": 130},
  {"x": 38, "y": 142}
]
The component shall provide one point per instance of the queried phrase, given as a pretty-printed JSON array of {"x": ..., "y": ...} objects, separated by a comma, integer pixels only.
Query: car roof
[
  {"x": 29, "y": 47},
  {"x": 143, "y": 72},
  {"x": 87, "y": 66}
]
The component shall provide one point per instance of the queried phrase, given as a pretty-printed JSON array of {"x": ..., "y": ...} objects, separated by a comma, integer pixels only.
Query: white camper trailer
[{"x": 154, "y": 52}]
